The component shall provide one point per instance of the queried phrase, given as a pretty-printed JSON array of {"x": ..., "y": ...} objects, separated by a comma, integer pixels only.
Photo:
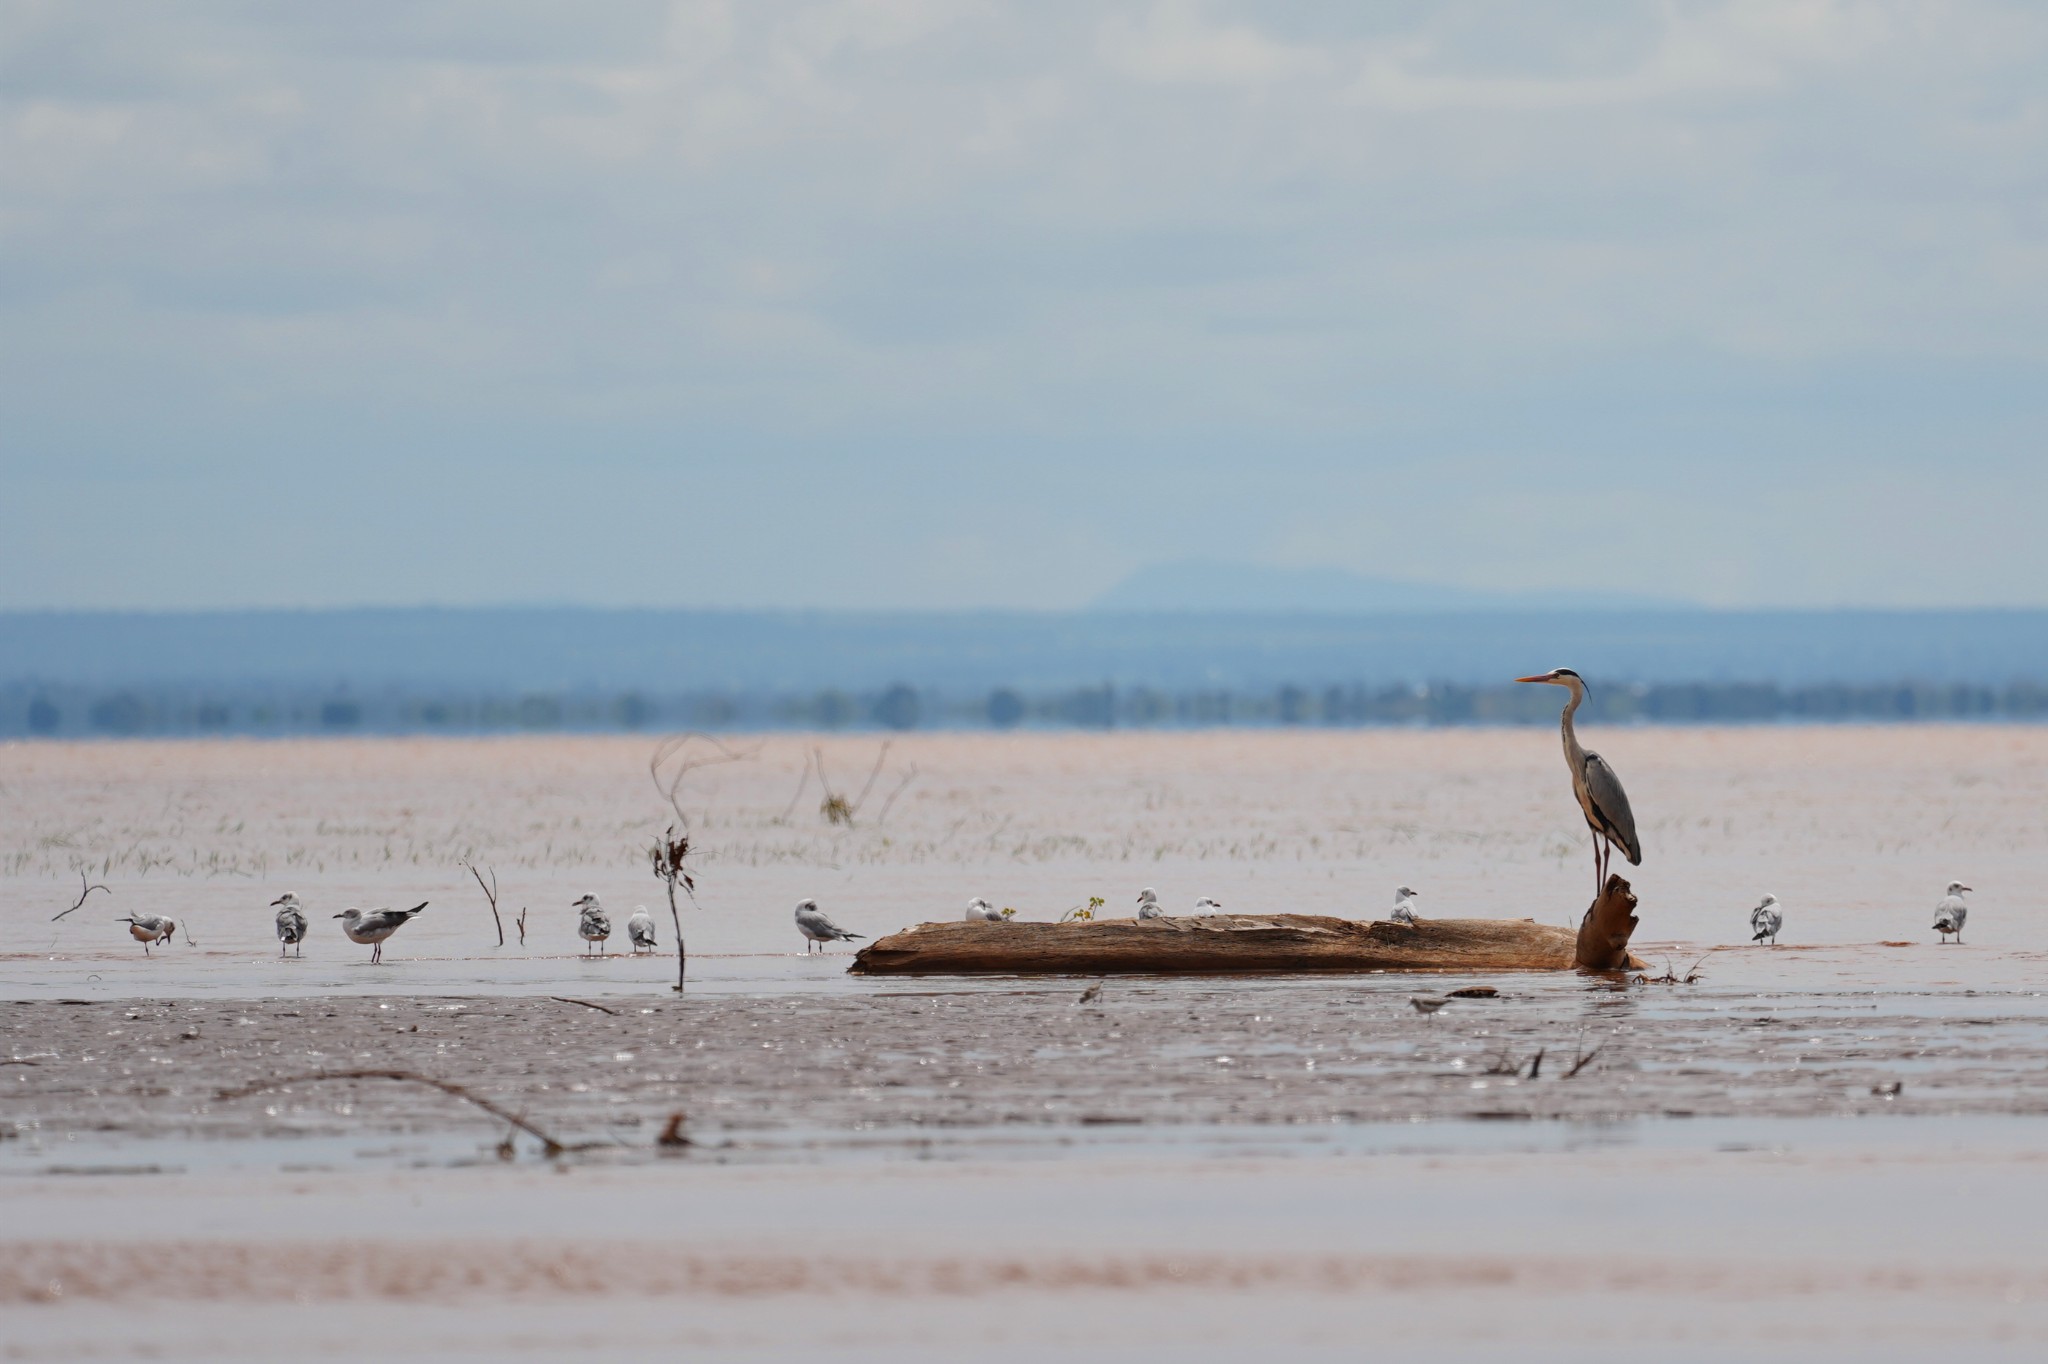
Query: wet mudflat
[{"x": 1013, "y": 1066}]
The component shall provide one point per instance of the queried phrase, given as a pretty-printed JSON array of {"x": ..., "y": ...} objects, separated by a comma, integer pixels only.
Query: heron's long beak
[{"x": 1544, "y": 677}]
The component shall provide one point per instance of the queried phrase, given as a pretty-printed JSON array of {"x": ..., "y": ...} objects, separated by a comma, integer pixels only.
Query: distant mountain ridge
[{"x": 1204, "y": 585}]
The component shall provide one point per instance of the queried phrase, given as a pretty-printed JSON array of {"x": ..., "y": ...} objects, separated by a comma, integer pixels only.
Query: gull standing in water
[
  {"x": 1205, "y": 906},
  {"x": 640, "y": 929},
  {"x": 1766, "y": 919},
  {"x": 1148, "y": 904},
  {"x": 148, "y": 929},
  {"x": 593, "y": 925},
  {"x": 1599, "y": 792},
  {"x": 1404, "y": 907},
  {"x": 980, "y": 911},
  {"x": 1948, "y": 915},
  {"x": 291, "y": 923},
  {"x": 818, "y": 928},
  {"x": 370, "y": 930}
]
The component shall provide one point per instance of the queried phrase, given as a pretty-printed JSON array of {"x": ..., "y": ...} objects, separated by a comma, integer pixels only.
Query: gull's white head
[
  {"x": 287, "y": 899},
  {"x": 1767, "y": 902},
  {"x": 350, "y": 915},
  {"x": 1956, "y": 888},
  {"x": 811, "y": 905},
  {"x": 587, "y": 902},
  {"x": 980, "y": 903},
  {"x": 1147, "y": 895},
  {"x": 1404, "y": 893},
  {"x": 1205, "y": 903}
]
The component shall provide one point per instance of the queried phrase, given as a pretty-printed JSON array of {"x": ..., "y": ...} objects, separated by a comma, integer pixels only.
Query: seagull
[
  {"x": 148, "y": 929},
  {"x": 373, "y": 928},
  {"x": 640, "y": 929},
  {"x": 1148, "y": 904},
  {"x": 291, "y": 923},
  {"x": 1206, "y": 906},
  {"x": 980, "y": 911},
  {"x": 1948, "y": 915},
  {"x": 1767, "y": 918},
  {"x": 817, "y": 927},
  {"x": 593, "y": 925},
  {"x": 1404, "y": 907}
]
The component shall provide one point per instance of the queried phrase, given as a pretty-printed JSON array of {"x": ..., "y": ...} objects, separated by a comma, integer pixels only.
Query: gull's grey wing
[{"x": 1610, "y": 802}]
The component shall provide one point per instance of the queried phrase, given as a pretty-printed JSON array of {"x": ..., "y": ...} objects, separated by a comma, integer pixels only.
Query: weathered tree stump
[{"x": 1239, "y": 943}]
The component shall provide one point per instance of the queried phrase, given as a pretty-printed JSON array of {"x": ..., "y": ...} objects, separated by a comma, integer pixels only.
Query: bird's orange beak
[{"x": 1542, "y": 677}]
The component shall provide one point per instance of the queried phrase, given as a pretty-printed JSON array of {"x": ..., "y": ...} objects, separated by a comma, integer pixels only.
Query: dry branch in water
[
  {"x": 675, "y": 750},
  {"x": 668, "y": 856},
  {"x": 491, "y": 894},
  {"x": 85, "y": 890},
  {"x": 548, "y": 1143},
  {"x": 564, "y": 999}
]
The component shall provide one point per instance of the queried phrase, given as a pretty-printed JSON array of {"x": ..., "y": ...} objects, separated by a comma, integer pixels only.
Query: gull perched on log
[
  {"x": 148, "y": 929},
  {"x": 1599, "y": 792},
  {"x": 980, "y": 911},
  {"x": 291, "y": 923},
  {"x": 818, "y": 928},
  {"x": 640, "y": 929},
  {"x": 1404, "y": 907},
  {"x": 1766, "y": 919},
  {"x": 1205, "y": 906},
  {"x": 593, "y": 925},
  {"x": 1950, "y": 913},
  {"x": 370, "y": 930},
  {"x": 1148, "y": 904}
]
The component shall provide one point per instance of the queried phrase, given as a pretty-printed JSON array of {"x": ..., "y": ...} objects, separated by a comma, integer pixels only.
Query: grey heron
[
  {"x": 1950, "y": 913},
  {"x": 1149, "y": 906},
  {"x": 291, "y": 923},
  {"x": 817, "y": 927},
  {"x": 640, "y": 929},
  {"x": 1766, "y": 919},
  {"x": 148, "y": 929},
  {"x": 593, "y": 925},
  {"x": 1404, "y": 906},
  {"x": 1598, "y": 790},
  {"x": 370, "y": 930}
]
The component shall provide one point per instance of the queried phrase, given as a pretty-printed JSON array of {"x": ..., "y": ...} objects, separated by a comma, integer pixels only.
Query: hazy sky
[{"x": 923, "y": 303}]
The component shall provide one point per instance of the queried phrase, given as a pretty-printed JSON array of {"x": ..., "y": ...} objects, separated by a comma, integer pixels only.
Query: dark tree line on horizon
[{"x": 29, "y": 710}]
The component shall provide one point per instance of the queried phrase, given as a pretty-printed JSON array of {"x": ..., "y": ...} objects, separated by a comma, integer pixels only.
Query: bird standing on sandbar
[
  {"x": 818, "y": 928},
  {"x": 1766, "y": 919},
  {"x": 593, "y": 925},
  {"x": 1404, "y": 907},
  {"x": 291, "y": 923},
  {"x": 1598, "y": 790},
  {"x": 640, "y": 929},
  {"x": 148, "y": 929},
  {"x": 1950, "y": 913},
  {"x": 1148, "y": 904},
  {"x": 370, "y": 930}
]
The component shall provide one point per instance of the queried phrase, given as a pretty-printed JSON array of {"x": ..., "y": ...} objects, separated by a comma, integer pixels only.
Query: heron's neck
[{"x": 1572, "y": 751}]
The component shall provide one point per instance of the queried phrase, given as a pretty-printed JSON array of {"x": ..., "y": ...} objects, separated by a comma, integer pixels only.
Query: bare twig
[
  {"x": 908, "y": 777},
  {"x": 1536, "y": 1066},
  {"x": 548, "y": 1143},
  {"x": 669, "y": 854},
  {"x": 873, "y": 772},
  {"x": 1581, "y": 1063},
  {"x": 564, "y": 999},
  {"x": 672, "y": 1134},
  {"x": 802, "y": 782},
  {"x": 85, "y": 888},
  {"x": 491, "y": 894},
  {"x": 674, "y": 749},
  {"x": 520, "y": 924}
]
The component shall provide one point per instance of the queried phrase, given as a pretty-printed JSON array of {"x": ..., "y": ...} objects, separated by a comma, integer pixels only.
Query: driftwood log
[{"x": 1222, "y": 944}]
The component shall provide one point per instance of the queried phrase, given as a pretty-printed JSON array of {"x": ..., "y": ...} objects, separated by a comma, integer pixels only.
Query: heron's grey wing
[{"x": 1611, "y": 802}]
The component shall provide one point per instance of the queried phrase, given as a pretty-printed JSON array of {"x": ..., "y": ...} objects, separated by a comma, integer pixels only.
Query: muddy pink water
[{"x": 909, "y": 1169}]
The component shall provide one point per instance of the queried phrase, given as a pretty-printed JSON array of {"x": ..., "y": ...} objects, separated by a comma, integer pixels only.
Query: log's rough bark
[
  {"x": 1605, "y": 931},
  {"x": 1221, "y": 944}
]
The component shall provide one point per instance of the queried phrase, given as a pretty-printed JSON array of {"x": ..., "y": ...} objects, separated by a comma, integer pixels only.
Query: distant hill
[{"x": 1202, "y": 585}]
